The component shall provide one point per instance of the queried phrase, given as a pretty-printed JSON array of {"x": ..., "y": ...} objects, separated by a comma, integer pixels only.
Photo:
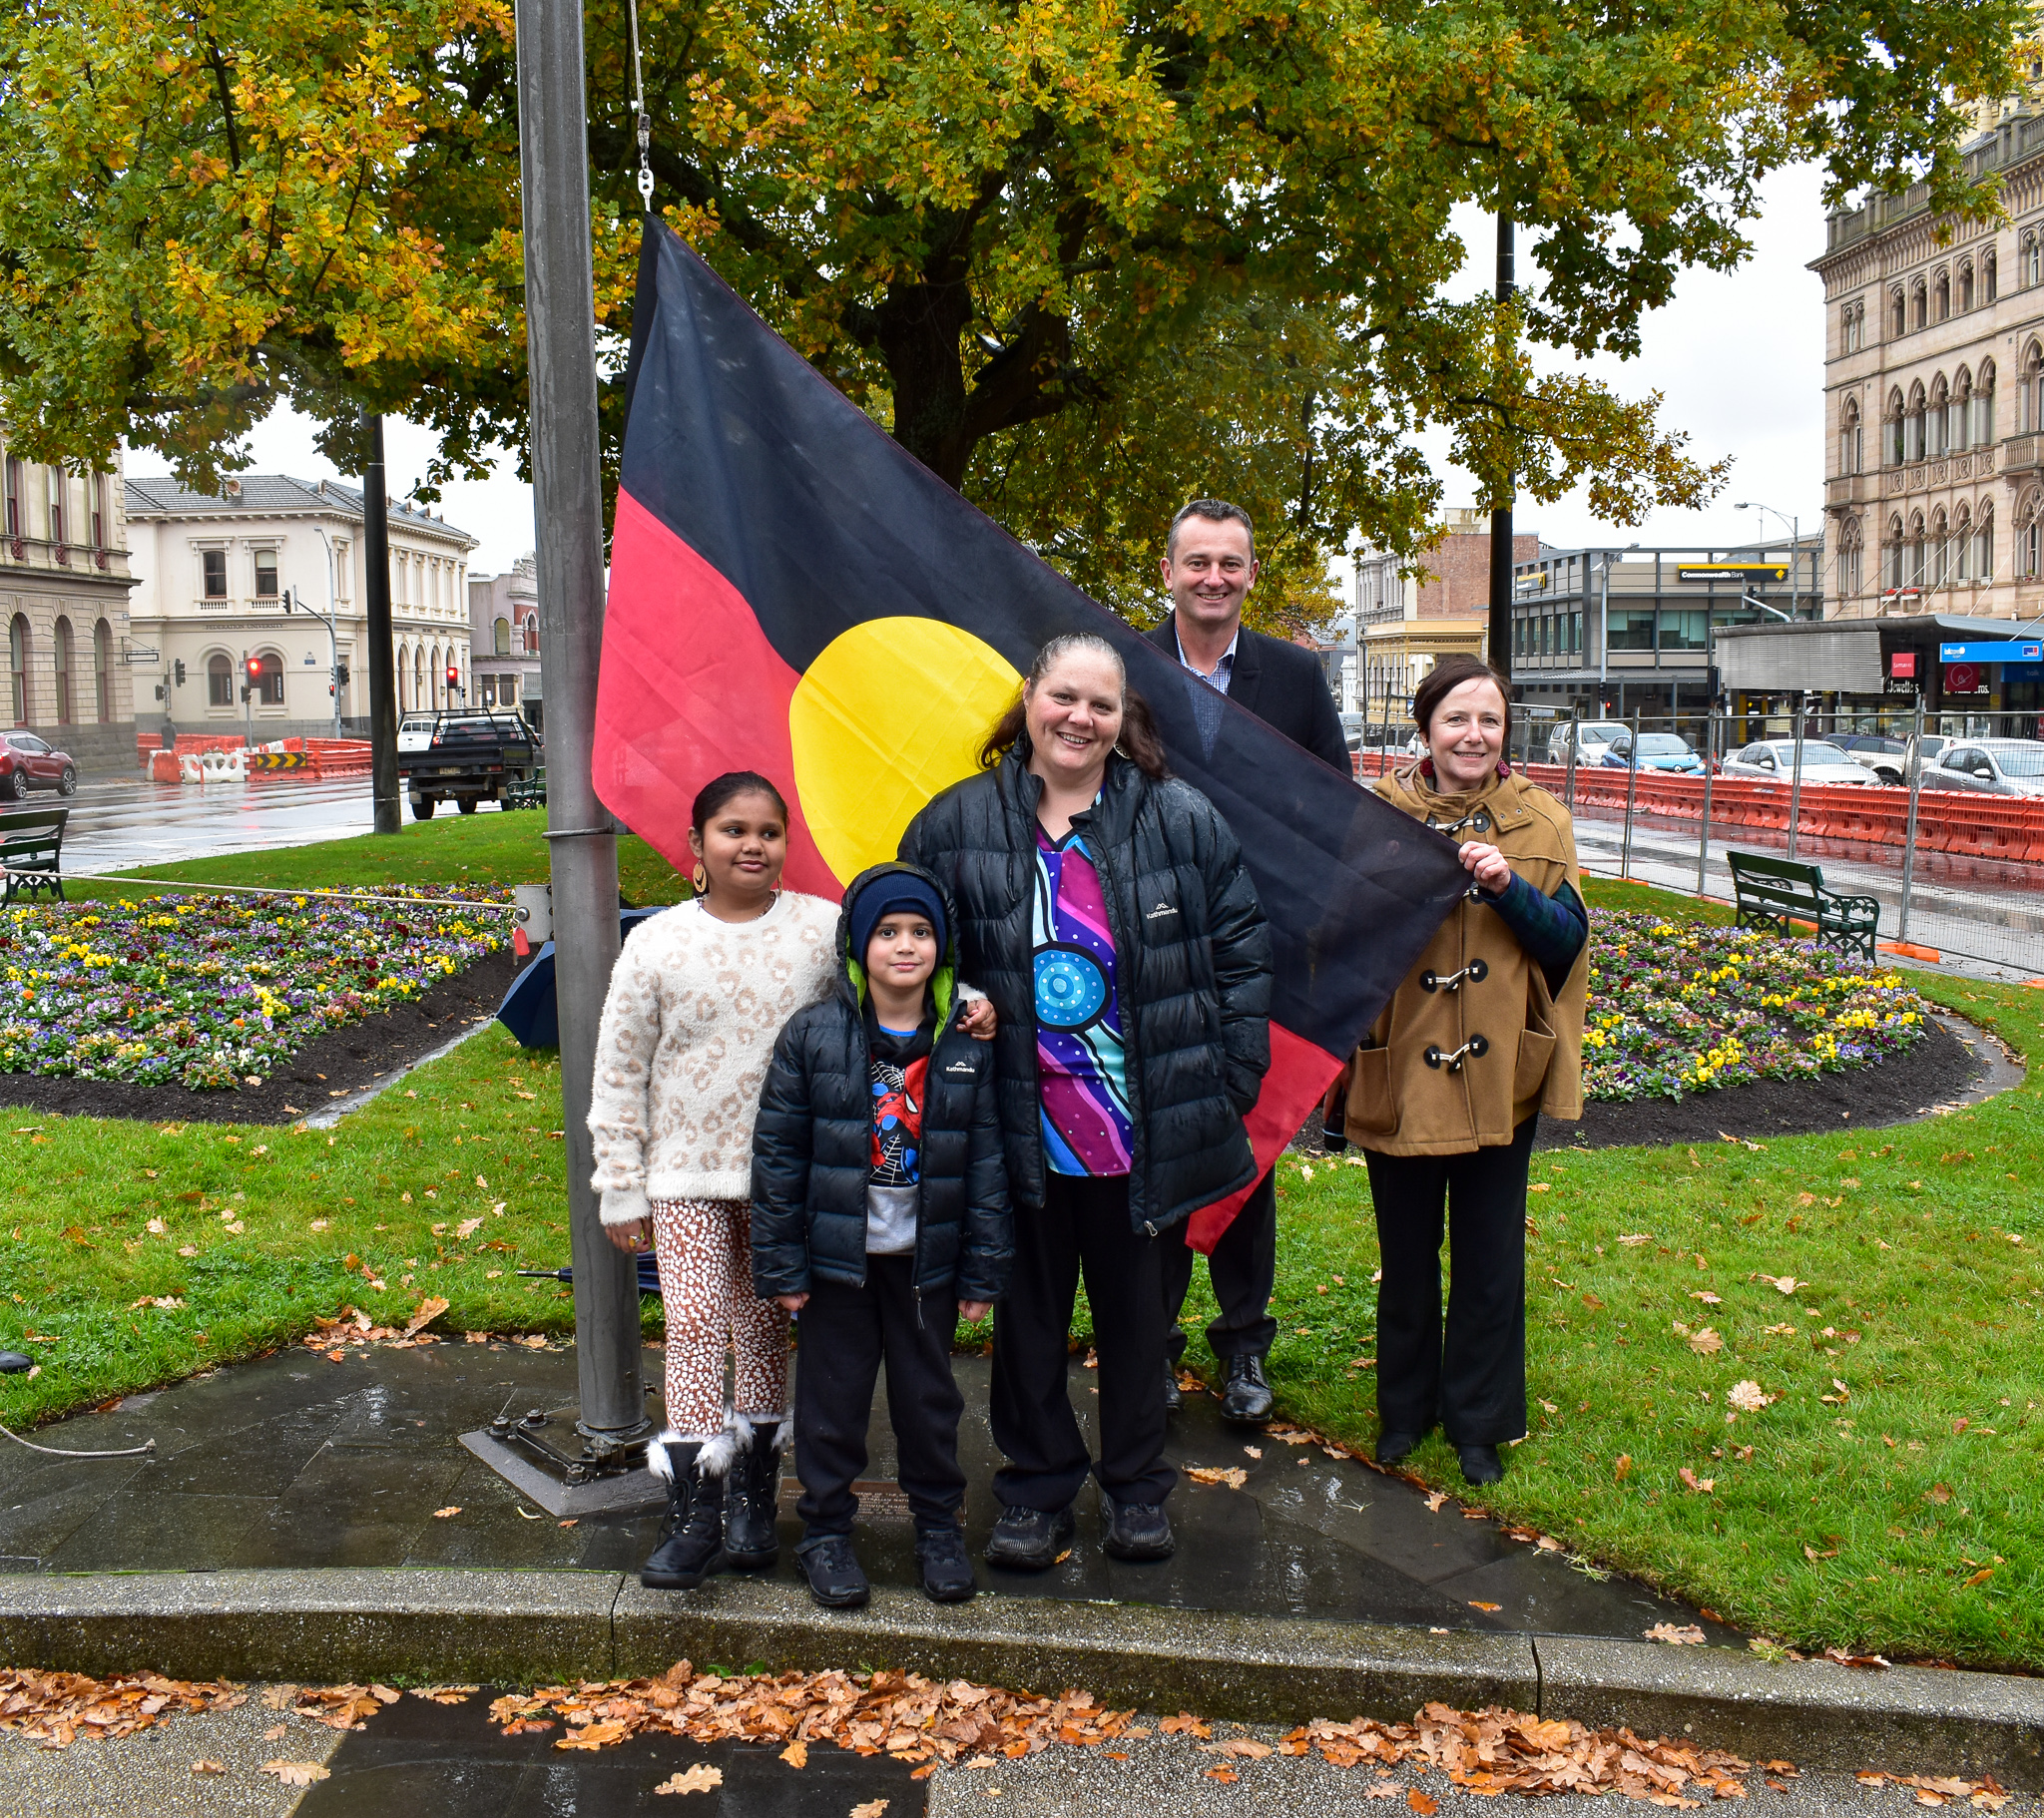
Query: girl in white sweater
[{"x": 695, "y": 1005}]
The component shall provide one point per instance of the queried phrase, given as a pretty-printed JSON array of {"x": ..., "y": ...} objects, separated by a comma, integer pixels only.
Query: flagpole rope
[{"x": 641, "y": 119}]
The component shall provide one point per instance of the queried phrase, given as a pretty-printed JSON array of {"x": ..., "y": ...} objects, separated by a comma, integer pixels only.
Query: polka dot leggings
[{"x": 705, "y": 1251}]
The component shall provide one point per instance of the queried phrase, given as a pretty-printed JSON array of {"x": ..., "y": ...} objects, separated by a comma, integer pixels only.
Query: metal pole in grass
[
  {"x": 1632, "y": 783},
  {"x": 567, "y": 499},
  {"x": 1796, "y": 778},
  {"x": 384, "y": 793},
  {"x": 1704, "y": 841},
  {"x": 1913, "y": 761}
]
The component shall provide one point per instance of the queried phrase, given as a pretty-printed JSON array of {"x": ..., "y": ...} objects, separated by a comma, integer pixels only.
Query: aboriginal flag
[{"x": 793, "y": 592}]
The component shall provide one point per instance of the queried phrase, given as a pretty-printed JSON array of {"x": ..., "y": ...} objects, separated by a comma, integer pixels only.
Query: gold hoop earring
[{"x": 699, "y": 879}]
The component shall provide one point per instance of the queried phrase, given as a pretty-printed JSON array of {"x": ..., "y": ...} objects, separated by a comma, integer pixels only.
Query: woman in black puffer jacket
[{"x": 1105, "y": 909}]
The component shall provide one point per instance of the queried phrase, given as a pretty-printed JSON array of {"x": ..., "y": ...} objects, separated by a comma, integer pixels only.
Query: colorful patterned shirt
[{"x": 1082, "y": 1073}]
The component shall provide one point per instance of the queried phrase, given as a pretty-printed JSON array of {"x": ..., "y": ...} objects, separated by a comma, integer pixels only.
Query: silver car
[
  {"x": 1989, "y": 766},
  {"x": 1592, "y": 736},
  {"x": 1773, "y": 759}
]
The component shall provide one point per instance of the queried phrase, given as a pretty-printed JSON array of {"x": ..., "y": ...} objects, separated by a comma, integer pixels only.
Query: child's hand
[
  {"x": 631, "y": 1238},
  {"x": 973, "y": 1311},
  {"x": 978, "y": 1021},
  {"x": 791, "y": 1303}
]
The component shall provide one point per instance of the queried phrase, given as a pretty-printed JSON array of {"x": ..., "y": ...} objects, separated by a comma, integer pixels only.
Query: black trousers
[
  {"x": 847, "y": 1333},
  {"x": 1243, "y": 1268},
  {"x": 1082, "y": 1226},
  {"x": 1472, "y": 1379}
]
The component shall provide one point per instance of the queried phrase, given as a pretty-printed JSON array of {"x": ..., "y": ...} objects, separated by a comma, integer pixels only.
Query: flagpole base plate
[{"x": 542, "y": 1479}]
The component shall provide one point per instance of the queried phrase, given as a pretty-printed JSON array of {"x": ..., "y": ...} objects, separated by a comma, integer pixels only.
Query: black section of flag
[{"x": 822, "y": 521}]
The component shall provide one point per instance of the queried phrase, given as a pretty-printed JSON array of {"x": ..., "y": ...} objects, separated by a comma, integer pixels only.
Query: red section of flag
[
  {"x": 1299, "y": 1076},
  {"x": 690, "y": 688}
]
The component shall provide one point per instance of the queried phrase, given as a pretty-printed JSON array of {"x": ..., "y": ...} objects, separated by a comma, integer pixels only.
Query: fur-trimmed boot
[
  {"x": 752, "y": 1539},
  {"x": 691, "y": 1544}
]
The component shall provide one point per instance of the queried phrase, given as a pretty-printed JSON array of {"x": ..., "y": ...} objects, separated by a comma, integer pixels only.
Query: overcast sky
[{"x": 1739, "y": 361}]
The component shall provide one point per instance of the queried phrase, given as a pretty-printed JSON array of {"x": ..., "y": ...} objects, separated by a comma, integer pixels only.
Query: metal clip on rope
[
  {"x": 1475, "y": 972},
  {"x": 642, "y": 120},
  {"x": 1475, "y": 1049}
]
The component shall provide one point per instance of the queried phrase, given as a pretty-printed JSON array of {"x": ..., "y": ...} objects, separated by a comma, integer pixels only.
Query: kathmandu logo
[
  {"x": 961, "y": 1067},
  {"x": 1161, "y": 909}
]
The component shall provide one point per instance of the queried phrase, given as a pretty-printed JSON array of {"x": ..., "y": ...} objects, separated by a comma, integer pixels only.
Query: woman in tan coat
[{"x": 1483, "y": 1036}]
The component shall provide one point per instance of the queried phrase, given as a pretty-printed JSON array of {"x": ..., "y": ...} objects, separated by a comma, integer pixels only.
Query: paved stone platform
[{"x": 294, "y": 1461}]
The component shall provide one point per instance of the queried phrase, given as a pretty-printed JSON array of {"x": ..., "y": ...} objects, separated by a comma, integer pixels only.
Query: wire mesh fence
[{"x": 1939, "y": 817}]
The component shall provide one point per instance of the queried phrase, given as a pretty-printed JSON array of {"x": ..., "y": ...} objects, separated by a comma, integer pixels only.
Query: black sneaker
[
  {"x": 836, "y": 1580},
  {"x": 1396, "y": 1448},
  {"x": 1135, "y": 1531},
  {"x": 1174, "y": 1396},
  {"x": 1029, "y": 1540},
  {"x": 1480, "y": 1464},
  {"x": 1246, "y": 1399},
  {"x": 946, "y": 1572}
]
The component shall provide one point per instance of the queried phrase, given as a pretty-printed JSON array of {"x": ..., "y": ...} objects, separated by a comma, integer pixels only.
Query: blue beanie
[{"x": 891, "y": 891}]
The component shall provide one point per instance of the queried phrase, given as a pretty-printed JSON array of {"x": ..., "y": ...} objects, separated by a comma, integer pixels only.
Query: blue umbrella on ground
[{"x": 528, "y": 1009}]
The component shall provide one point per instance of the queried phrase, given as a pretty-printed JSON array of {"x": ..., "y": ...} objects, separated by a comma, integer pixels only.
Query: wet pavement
[
  {"x": 296, "y": 1461},
  {"x": 118, "y": 826}
]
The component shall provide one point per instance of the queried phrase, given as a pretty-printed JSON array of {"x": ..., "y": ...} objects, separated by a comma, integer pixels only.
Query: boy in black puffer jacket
[{"x": 881, "y": 1216}]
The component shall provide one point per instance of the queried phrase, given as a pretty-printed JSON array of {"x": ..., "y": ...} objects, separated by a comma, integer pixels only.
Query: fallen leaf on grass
[
  {"x": 1812, "y": 1556},
  {"x": 429, "y": 1309},
  {"x": 1621, "y": 1466},
  {"x": 797, "y": 1753},
  {"x": 1703, "y": 1486},
  {"x": 701, "y": 1778},
  {"x": 1705, "y": 1343},
  {"x": 1979, "y": 1577},
  {"x": 296, "y": 1773},
  {"x": 1706, "y": 1296},
  {"x": 1638, "y": 1238},
  {"x": 1687, "y": 1635},
  {"x": 1938, "y": 1493},
  {"x": 1747, "y": 1397},
  {"x": 1784, "y": 1284}
]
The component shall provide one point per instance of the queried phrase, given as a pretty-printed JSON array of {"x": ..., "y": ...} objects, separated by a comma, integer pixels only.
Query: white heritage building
[{"x": 213, "y": 571}]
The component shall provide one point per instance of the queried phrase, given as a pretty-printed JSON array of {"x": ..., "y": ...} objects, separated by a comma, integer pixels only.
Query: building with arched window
[
  {"x": 64, "y": 585},
  {"x": 1928, "y": 345},
  {"x": 231, "y": 576},
  {"x": 503, "y": 616}
]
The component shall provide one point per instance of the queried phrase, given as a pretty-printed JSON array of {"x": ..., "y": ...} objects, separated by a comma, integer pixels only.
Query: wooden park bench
[
  {"x": 1772, "y": 891},
  {"x": 32, "y": 850},
  {"x": 527, "y": 792}
]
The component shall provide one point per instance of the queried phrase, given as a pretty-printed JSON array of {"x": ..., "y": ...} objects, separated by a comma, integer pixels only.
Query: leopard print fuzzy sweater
[{"x": 689, "y": 1025}]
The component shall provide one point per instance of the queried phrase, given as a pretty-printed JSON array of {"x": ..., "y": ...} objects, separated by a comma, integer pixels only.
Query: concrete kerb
[{"x": 423, "y": 1624}]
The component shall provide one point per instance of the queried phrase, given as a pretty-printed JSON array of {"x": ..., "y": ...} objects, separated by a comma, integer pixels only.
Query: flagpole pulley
[{"x": 642, "y": 120}]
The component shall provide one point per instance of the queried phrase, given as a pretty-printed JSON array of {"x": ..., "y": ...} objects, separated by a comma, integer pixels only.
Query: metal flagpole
[
  {"x": 1796, "y": 780},
  {"x": 383, "y": 791},
  {"x": 1914, "y": 760},
  {"x": 568, "y": 512},
  {"x": 1632, "y": 784}
]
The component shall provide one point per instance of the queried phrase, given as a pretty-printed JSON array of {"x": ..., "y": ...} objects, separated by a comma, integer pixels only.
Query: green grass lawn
[
  {"x": 1888, "y": 1498},
  {"x": 1898, "y": 1512}
]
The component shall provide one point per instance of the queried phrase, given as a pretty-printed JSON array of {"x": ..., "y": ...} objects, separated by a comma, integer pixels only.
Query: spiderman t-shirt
[{"x": 899, "y": 1064}]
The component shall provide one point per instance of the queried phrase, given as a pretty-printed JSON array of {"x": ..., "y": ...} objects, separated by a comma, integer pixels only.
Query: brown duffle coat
[{"x": 1474, "y": 1042}]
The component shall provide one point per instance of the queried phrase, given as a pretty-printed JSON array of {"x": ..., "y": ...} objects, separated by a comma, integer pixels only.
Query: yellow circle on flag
[{"x": 888, "y": 713}]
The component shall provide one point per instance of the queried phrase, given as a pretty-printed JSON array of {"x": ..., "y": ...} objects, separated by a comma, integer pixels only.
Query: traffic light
[
  {"x": 453, "y": 677},
  {"x": 343, "y": 675},
  {"x": 252, "y": 671},
  {"x": 284, "y": 599},
  {"x": 180, "y": 672}
]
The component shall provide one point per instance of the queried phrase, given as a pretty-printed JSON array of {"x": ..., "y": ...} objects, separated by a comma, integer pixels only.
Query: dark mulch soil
[
  {"x": 1894, "y": 1091},
  {"x": 330, "y": 1067}
]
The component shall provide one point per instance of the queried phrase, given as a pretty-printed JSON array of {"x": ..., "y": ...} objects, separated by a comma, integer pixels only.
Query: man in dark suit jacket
[{"x": 1209, "y": 567}]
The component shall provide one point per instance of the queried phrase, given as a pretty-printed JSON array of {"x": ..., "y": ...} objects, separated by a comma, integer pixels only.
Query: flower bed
[
  {"x": 215, "y": 992},
  {"x": 1689, "y": 1008}
]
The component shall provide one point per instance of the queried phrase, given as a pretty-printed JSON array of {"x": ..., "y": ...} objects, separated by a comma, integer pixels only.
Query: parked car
[
  {"x": 1773, "y": 759},
  {"x": 1592, "y": 736},
  {"x": 1351, "y": 730},
  {"x": 1658, "y": 752},
  {"x": 26, "y": 764},
  {"x": 1989, "y": 766}
]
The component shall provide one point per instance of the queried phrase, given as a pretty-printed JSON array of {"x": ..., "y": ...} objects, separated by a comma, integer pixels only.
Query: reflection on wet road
[{"x": 117, "y": 826}]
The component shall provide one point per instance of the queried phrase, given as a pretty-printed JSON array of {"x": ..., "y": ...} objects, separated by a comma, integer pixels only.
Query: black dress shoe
[
  {"x": 1480, "y": 1464},
  {"x": 1174, "y": 1396},
  {"x": 836, "y": 1580},
  {"x": 946, "y": 1572},
  {"x": 1396, "y": 1448},
  {"x": 1029, "y": 1540},
  {"x": 1135, "y": 1531},
  {"x": 1246, "y": 1399}
]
